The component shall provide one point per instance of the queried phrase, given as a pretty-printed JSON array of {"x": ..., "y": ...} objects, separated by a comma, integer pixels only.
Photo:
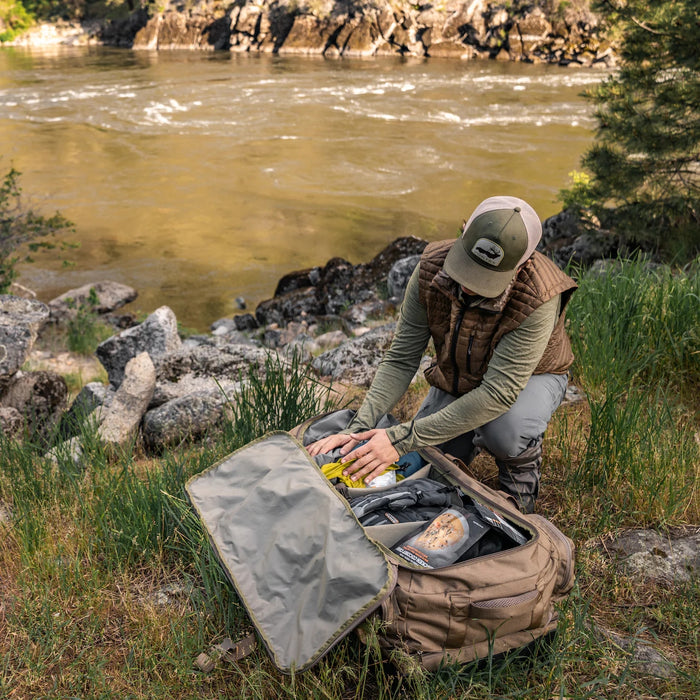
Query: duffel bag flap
[{"x": 297, "y": 556}]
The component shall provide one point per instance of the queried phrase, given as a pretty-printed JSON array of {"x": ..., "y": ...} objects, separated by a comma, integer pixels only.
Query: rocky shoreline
[
  {"x": 338, "y": 318},
  {"x": 557, "y": 33}
]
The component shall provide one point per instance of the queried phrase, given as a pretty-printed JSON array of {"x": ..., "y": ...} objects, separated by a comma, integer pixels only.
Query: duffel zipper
[{"x": 558, "y": 536}]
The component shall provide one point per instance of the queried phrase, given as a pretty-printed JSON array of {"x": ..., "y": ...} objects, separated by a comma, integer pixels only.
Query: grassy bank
[{"x": 109, "y": 589}]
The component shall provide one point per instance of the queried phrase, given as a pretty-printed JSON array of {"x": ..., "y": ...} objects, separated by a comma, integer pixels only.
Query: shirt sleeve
[
  {"x": 399, "y": 364},
  {"x": 513, "y": 362}
]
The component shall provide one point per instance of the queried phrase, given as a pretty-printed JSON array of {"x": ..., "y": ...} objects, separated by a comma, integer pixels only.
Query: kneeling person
[{"x": 494, "y": 308}]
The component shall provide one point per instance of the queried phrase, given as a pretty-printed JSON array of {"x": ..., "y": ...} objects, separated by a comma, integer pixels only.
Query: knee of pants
[{"x": 502, "y": 438}]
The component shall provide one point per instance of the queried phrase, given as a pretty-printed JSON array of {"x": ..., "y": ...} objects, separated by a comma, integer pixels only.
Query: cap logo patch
[{"x": 488, "y": 251}]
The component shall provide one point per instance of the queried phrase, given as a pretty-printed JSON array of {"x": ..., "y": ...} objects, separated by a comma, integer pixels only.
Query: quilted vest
[{"x": 465, "y": 335}]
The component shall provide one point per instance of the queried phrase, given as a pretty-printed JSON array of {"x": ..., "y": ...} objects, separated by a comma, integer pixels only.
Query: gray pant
[{"x": 514, "y": 438}]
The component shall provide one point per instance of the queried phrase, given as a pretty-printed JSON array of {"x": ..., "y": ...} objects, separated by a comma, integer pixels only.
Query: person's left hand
[{"x": 372, "y": 458}]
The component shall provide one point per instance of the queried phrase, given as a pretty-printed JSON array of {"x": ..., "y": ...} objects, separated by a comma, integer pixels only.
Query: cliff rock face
[{"x": 546, "y": 31}]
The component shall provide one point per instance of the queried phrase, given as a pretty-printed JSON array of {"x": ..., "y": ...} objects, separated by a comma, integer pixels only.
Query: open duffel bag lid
[{"x": 297, "y": 556}]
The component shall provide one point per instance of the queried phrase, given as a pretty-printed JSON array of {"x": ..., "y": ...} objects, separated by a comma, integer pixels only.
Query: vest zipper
[
  {"x": 453, "y": 350},
  {"x": 469, "y": 354}
]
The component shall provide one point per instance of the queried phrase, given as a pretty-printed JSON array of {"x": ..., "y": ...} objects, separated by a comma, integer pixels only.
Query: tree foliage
[
  {"x": 645, "y": 161},
  {"x": 20, "y": 226}
]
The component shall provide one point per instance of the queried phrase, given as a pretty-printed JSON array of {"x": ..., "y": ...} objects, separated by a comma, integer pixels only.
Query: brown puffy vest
[{"x": 465, "y": 335}]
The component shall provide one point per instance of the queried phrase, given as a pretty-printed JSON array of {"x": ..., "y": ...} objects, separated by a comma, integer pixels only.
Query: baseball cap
[{"x": 500, "y": 235}]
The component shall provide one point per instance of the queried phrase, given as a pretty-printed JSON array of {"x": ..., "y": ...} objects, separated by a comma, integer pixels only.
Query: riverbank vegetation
[
  {"x": 644, "y": 164},
  {"x": 21, "y": 227},
  {"x": 110, "y": 587}
]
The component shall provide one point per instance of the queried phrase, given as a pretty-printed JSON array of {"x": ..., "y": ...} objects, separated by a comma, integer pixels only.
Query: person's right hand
[{"x": 330, "y": 443}]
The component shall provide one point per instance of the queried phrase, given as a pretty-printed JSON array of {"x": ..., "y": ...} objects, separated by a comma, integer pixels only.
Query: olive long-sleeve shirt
[{"x": 514, "y": 360}]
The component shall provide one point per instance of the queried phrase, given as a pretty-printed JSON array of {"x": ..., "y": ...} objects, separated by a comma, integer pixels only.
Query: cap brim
[{"x": 486, "y": 283}]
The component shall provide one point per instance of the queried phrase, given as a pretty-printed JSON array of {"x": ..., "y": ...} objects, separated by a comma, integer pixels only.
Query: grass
[{"x": 109, "y": 588}]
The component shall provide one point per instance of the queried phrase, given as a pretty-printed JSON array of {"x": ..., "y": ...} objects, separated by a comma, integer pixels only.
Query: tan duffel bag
[{"x": 309, "y": 573}]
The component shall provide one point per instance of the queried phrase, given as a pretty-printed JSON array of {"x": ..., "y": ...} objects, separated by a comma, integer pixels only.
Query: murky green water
[{"x": 200, "y": 177}]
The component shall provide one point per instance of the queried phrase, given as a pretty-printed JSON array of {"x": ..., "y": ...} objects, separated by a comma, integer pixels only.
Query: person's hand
[
  {"x": 372, "y": 458},
  {"x": 330, "y": 443}
]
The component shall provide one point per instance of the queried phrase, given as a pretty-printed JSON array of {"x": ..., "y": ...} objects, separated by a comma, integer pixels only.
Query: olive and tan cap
[{"x": 501, "y": 234}]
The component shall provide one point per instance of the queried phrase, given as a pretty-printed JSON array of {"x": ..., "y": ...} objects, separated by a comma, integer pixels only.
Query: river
[{"x": 198, "y": 178}]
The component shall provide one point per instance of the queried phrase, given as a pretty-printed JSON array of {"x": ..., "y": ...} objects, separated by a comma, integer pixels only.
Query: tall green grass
[
  {"x": 88, "y": 545},
  {"x": 635, "y": 332}
]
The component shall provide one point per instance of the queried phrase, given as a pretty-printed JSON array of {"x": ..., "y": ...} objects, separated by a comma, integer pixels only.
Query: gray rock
[
  {"x": 189, "y": 384},
  {"x": 356, "y": 360},
  {"x": 364, "y": 311},
  {"x": 185, "y": 418},
  {"x": 223, "y": 326},
  {"x": 645, "y": 657},
  {"x": 92, "y": 396},
  {"x": 646, "y": 554},
  {"x": 20, "y": 321},
  {"x": 157, "y": 336},
  {"x": 301, "y": 348},
  {"x": 245, "y": 322},
  {"x": 214, "y": 358},
  {"x": 37, "y": 396},
  {"x": 11, "y": 421},
  {"x": 331, "y": 339},
  {"x": 5, "y": 513},
  {"x": 398, "y": 277},
  {"x": 67, "y": 454},
  {"x": 121, "y": 420},
  {"x": 107, "y": 296}
]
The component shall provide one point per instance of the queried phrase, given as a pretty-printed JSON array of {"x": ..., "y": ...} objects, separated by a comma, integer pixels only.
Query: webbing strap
[{"x": 226, "y": 651}]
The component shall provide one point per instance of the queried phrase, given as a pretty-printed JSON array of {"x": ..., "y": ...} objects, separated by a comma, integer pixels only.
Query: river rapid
[{"x": 198, "y": 178}]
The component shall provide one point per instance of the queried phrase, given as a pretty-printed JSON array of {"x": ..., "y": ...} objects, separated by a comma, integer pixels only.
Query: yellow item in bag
[{"x": 334, "y": 470}]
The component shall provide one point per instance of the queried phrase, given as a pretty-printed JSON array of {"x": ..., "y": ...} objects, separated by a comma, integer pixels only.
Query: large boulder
[
  {"x": 190, "y": 384},
  {"x": 121, "y": 420},
  {"x": 356, "y": 361},
  {"x": 184, "y": 418},
  {"x": 20, "y": 321},
  {"x": 157, "y": 336},
  {"x": 99, "y": 298},
  {"x": 212, "y": 358}
]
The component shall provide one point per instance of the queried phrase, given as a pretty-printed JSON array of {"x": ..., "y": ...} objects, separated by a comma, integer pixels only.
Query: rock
[
  {"x": 185, "y": 418},
  {"x": 20, "y": 321},
  {"x": 645, "y": 657},
  {"x": 245, "y": 322},
  {"x": 331, "y": 339},
  {"x": 19, "y": 290},
  {"x": 5, "y": 513},
  {"x": 37, "y": 396},
  {"x": 356, "y": 361},
  {"x": 301, "y": 279},
  {"x": 646, "y": 554},
  {"x": 92, "y": 396},
  {"x": 373, "y": 308},
  {"x": 340, "y": 286},
  {"x": 223, "y": 326},
  {"x": 121, "y": 420},
  {"x": 157, "y": 336},
  {"x": 11, "y": 421},
  {"x": 189, "y": 384},
  {"x": 398, "y": 277},
  {"x": 68, "y": 454},
  {"x": 99, "y": 298},
  {"x": 211, "y": 359}
]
